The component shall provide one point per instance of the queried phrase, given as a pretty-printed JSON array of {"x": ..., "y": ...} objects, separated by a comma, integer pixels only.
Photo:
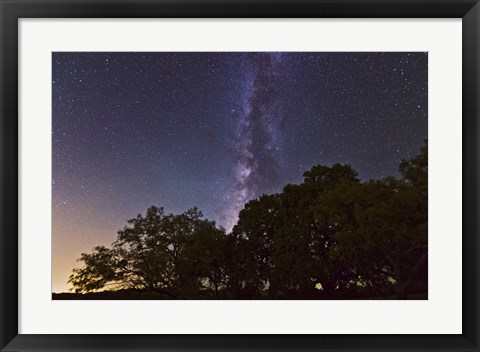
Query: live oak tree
[
  {"x": 329, "y": 237},
  {"x": 291, "y": 251},
  {"x": 203, "y": 260},
  {"x": 395, "y": 223},
  {"x": 382, "y": 228},
  {"x": 153, "y": 253}
]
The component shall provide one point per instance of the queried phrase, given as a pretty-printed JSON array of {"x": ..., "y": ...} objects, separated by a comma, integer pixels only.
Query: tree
[
  {"x": 382, "y": 227},
  {"x": 251, "y": 264},
  {"x": 335, "y": 231},
  {"x": 331, "y": 236},
  {"x": 395, "y": 223},
  {"x": 203, "y": 260},
  {"x": 336, "y": 216},
  {"x": 149, "y": 255},
  {"x": 289, "y": 250}
]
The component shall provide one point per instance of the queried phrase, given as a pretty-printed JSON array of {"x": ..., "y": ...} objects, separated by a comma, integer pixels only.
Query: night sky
[{"x": 213, "y": 130}]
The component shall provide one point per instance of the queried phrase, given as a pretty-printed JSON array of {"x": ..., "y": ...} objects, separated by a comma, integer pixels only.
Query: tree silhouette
[
  {"x": 329, "y": 237},
  {"x": 149, "y": 254}
]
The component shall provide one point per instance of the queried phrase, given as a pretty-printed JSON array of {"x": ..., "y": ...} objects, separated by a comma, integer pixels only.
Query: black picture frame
[{"x": 12, "y": 10}]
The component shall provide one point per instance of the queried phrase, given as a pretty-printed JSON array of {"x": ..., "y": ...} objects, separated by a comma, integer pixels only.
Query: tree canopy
[{"x": 330, "y": 237}]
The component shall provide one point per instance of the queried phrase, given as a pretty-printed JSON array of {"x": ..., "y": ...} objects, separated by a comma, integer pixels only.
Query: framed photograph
[{"x": 238, "y": 175}]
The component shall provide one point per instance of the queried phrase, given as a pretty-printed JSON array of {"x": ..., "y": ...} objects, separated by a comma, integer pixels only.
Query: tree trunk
[
  {"x": 328, "y": 289},
  {"x": 402, "y": 292}
]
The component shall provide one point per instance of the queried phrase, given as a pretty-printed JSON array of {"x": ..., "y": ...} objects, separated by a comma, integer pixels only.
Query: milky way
[{"x": 257, "y": 136}]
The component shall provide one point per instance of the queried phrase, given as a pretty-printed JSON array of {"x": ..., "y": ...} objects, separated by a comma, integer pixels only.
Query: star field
[{"x": 214, "y": 130}]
